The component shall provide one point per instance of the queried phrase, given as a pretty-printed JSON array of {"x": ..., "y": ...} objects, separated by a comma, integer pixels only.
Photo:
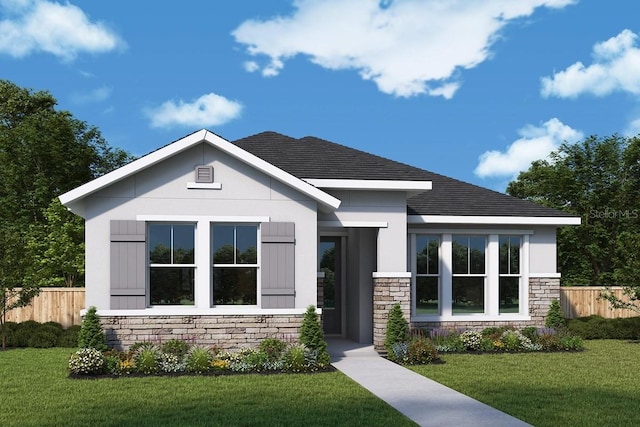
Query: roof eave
[
  {"x": 494, "y": 220},
  {"x": 326, "y": 201}
]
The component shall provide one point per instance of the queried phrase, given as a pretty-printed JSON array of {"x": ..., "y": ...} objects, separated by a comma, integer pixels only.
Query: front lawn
[
  {"x": 35, "y": 391},
  {"x": 596, "y": 387}
]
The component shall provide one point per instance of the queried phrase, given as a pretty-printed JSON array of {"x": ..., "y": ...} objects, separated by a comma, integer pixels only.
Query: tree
[
  {"x": 397, "y": 328},
  {"x": 311, "y": 335},
  {"x": 91, "y": 334},
  {"x": 597, "y": 179},
  {"x": 57, "y": 248},
  {"x": 44, "y": 153},
  {"x": 12, "y": 261}
]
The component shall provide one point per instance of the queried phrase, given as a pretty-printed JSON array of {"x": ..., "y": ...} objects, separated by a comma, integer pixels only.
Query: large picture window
[
  {"x": 509, "y": 281},
  {"x": 427, "y": 288},
  {"x": 235, "y": 264},
  {"x": 171, "y": 253},
  {"x": 468, "y": 281}
]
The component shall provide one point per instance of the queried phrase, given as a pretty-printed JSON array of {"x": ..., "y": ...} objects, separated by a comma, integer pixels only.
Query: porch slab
[{"x": 421, "y": 399}]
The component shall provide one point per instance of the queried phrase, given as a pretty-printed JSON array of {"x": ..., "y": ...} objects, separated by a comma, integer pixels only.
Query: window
[
  {"x": 509, "y": 280},
  {"x": 468, "y": 281},
  {"x": 171, "y": 264},
  {"x": 427, "y": 275},
  {"x": 235, "y": 264}
]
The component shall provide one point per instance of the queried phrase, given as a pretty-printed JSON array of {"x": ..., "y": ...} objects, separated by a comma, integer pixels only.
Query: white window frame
[
  {"x": 151, "y": 265},
  {"x": 212, "y": 265},
  {"x": 414, "y": 268},
  {"x": 509, "y": 274},
  {"x": 492, "y": 259},
  {"x": 468, "y": 274}
]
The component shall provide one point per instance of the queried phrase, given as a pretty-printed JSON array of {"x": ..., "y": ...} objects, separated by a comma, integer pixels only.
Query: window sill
[
  {"x": 473, "y": 318},
  {"x": 195, "y": 311}
]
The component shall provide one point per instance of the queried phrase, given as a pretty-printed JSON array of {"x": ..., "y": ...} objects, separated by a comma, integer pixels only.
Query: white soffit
[
  {"x": 493, "y": 220},
  {"x": 325, "y": 200},
  {"x": 371, "y": 184}
]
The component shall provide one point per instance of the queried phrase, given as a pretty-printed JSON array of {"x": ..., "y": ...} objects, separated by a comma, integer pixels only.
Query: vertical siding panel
[
  {"x": 128, "y": 264},
  {"x": 278, "y": 265}
]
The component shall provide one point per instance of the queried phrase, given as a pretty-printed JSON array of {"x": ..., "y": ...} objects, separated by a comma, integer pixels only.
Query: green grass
[
  {"x": 35, "y": 391},
  {"x": 596, "y": 387}
]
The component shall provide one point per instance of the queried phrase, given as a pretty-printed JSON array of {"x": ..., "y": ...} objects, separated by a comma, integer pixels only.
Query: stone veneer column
[
  {"x": 542, "y": 290},
  {"x": 320, "y": 289},
  {"x": 389, "y": 289}
]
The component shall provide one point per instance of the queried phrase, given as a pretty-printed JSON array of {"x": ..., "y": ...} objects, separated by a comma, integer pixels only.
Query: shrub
[
  {"x": 91, "y": 334},
  {"x": 175, "y": 347},
  {"x": 421, "y": 350},
  {"x": 69, "y": 337},
  {"x": 295, "y": 358},
  {"x": 555, "y": 318},
  {"x": 513, "y": 340},
  {"x": 198, "y": 359},
  {"x": 472, "y": 340},
  {"x": 399, "y": 352},
  {"x": 168, "y": 362},
  {"x": 397, "y": 328},
  {"x": 86, "y": 361},
  {"x": 273, "y": 348},
  {"x": 571, "y": 343},
  {"x": 311, "y": 334},
  {"x": 147, "y": 359},
  {"x": 46, "y": 336},
  {"x": 447, "y": 340}
]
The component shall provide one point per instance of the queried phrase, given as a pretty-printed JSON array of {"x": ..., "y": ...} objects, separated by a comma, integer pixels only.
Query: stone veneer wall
[
  {"x": 227, "y": 332},
  {"x": 320, "y": 290},
  {"x": 387, "y": 291}
]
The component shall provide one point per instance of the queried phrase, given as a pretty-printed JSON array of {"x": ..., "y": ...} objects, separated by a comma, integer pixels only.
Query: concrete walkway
[{"x": 425, "y": 401}]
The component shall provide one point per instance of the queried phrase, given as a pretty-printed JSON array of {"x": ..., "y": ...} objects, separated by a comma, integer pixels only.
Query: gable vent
[{"x": 204, "y": 174}]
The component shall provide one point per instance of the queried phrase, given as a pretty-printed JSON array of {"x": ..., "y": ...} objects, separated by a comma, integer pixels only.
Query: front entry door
[{"x": 330, "y": 254}]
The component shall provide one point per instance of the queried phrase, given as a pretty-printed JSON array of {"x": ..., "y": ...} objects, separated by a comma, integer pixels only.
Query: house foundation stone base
[
  {"x": 226, "y": 332},
  {"x": 387, "y": 291}
]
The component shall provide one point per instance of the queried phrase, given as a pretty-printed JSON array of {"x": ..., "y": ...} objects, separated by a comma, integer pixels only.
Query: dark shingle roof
[{"x": 315, "y": 158}]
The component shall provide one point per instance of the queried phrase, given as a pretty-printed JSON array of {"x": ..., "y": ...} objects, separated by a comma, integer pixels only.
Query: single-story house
[{"x": 227, "y": 243}]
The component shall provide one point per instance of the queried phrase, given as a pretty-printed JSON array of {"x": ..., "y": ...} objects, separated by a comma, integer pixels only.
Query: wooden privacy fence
[
  {"x": 60, "y": 305},
  {"x": 63, "y": 305},
  {"x": 581, "y": 301}
]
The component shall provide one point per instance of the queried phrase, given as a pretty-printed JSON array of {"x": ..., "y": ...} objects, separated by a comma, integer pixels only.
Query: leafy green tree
[
  {"x": 44, "y": 153},
  {"x": 13, "y": 294},
  {"x": 57, "y": 248},
  {"x": 597, "y": 179}
]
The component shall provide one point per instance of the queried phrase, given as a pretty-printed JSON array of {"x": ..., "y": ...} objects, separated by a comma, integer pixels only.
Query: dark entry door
[{"x": 330, "y": 254}]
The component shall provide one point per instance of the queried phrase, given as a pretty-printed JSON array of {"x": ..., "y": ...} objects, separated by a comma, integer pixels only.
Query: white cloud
[
  {"x": 615, "y": 67},
  {"x": 633, "y": 128},
  {"x": 63, "y": 30},
  {"x": 208, "y": 110},
  {"x": 535, "y": 143},
  {"x": 97, "y": 95},
  {"x": 407, "y": 48}
]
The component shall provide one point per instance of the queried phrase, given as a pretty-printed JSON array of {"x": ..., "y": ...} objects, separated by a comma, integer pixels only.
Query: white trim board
[
  {"x": 327, "y": 201},
  {"x": 494, "y": 220}
]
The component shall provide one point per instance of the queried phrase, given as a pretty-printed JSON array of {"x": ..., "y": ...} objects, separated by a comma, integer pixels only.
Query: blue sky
[{"x": 474, "y": 90}]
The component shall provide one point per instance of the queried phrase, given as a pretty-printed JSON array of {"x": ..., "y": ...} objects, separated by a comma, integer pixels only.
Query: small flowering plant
[
  {"x": 87, "y": 361},
  {"x": 472, "y": 340}
]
